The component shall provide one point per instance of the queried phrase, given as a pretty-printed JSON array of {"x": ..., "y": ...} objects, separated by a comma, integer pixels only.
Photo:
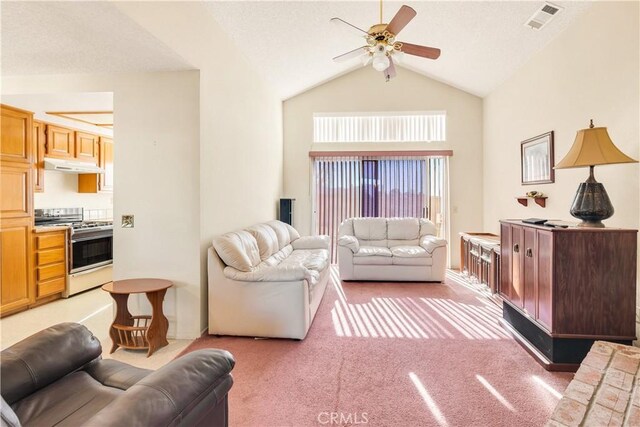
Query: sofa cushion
[
  {"x": 238, "y": 249},
  {"x": 370, "y": 228},
  {"x": 284, "y": 232},
  {"x": 403, "y": 228},
  {"x": 372, "y": 260},
  {"x": 396, "y": 260},
  {"x": 279, "y": 256},
  {"x": 312, "y": 242},
  {"x": 312, "y": 259},
  {"x": 410, "y": 252},
  {"x": 366, "y": 251},
  {"x": 427, "y": 227},
  {"x": 266, "y": 238}
]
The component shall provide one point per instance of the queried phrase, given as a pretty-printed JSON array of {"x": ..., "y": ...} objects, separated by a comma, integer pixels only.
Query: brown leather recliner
[{"x": 57, "y": 377}]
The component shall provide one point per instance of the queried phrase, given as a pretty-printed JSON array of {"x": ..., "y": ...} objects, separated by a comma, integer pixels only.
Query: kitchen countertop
[{"x": 46, "y": 228}]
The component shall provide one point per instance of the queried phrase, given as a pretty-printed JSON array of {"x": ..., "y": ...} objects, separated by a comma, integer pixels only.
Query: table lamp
[{"x": 592, "y": 147}]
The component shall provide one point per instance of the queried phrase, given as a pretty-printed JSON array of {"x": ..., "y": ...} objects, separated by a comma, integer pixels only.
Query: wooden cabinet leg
[
  {"x": 157, "y": 332},
  {"x": 123, "y": 317}
]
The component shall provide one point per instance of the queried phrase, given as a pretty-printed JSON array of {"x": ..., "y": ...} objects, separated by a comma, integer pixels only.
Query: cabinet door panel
[
  {"x": 517, "y": 289},
  {"x": 106, "y": 162},
  {"x": 60, "y": 142},
  {"x": 545, "y": 276},
  {"x": 529, "y": 271},
  {"x": 16, "y": 135},
  {"x": 15, "y": 190},
  {"x": 505, "y": 264},
  {"x": 86, "y": 147},
  {"x": 38, "y": 155},
  {"x": 15, "y": 256}
]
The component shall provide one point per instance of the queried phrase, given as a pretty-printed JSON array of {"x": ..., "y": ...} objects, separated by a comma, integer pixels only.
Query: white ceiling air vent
[{"x": 543, "y": 16}]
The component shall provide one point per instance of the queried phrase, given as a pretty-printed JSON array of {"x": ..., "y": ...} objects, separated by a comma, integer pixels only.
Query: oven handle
[{"x": 94, "y": 237}]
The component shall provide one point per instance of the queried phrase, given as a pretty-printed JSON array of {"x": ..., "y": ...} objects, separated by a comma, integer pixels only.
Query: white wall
[
  {"x": 157, "y": 178},
  {"x": 590, "y": 71},
  {"x": 366, "y": 90},
  {"x": 61, "y": 191},
  {"x": 240, "y": 116}
]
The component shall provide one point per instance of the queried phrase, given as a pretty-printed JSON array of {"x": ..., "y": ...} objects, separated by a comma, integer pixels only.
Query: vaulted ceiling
[{"x": 290, "y": 43}]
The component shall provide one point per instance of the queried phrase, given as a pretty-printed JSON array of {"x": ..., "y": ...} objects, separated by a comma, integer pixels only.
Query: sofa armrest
[
  {"x": 430, "y": 243},
  {"x": 276, "y": 273},
  {"x": 169, "y": 394},
  {"x": 349, "y": 242},
  {"x": 312, "y": 242},
  {"x": 45, "y": 357}
]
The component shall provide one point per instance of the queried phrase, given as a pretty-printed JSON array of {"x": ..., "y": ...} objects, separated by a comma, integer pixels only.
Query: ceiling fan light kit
[{"x": 382, "y": 48}]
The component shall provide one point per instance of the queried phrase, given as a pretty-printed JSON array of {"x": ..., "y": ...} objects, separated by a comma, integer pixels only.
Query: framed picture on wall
[{"x": 536, "y": 159}]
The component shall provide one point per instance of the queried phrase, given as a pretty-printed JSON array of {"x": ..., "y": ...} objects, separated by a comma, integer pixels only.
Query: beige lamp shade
[{"x": 592, "y": 147}]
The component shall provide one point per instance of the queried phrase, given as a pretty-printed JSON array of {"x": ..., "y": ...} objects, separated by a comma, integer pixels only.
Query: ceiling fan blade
[
  {"x": 402, "y": 18},
  {"x": 351, "y": 54},
  {"x": 390, "y": 72},
  {"x": 348, "y": 27},
  {"x": 417, "y": 50}
]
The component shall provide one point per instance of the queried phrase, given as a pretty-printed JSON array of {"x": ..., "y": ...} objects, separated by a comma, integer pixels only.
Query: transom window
[{"x": 416, "y": 126}]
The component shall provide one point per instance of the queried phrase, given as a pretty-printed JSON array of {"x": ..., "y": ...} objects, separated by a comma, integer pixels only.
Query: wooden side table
[{"x": 138, "y": 332}]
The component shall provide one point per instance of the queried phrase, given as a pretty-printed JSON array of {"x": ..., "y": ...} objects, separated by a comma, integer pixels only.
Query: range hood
[{"x": 70, "y": 166}]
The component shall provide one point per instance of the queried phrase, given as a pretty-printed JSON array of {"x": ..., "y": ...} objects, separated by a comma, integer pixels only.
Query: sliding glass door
[{"x": 345, "y": 187}]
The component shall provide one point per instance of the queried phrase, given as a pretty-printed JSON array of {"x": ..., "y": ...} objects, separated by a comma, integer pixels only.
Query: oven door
[{"x": 91, "y": 249}]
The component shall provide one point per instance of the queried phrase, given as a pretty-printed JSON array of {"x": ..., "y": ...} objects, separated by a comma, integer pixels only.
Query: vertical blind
[
  {"x": 346, "y": 187},
  {"x": 380, "y": 127}
]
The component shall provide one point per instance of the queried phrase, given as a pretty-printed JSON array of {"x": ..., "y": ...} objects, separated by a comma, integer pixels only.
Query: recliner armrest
[
  {"x": 166, "y": 396},
  {"x": 430, "y": 243},
  {"x": 349, "y": 242},
  {"x": 113, "y": 373},
  {"x": 312, "y": 242}
]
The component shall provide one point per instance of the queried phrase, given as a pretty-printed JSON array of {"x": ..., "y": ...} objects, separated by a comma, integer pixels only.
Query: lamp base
[{"x": 591, "y": 203}]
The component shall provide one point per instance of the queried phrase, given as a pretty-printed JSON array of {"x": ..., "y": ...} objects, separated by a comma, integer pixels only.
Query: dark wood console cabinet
[
  {"x": 564, "y": 288},
  {"x": 480, "y": 258}
]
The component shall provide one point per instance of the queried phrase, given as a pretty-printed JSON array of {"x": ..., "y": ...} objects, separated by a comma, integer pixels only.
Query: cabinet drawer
[
  {"x": 50, "y": 271},
  {"x": 50, "y": 241},
  {"x": 50, "y": 256},
  {"x": 53, "y": 286}
]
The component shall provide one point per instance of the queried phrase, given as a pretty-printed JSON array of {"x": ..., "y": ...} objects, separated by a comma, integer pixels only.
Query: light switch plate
[{"x": 127, "y": 221}]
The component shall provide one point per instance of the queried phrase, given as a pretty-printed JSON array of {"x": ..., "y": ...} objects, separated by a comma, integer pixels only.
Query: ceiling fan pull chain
[{"x": 381, "y": 11}]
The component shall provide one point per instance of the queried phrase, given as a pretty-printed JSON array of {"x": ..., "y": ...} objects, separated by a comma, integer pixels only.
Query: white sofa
[
  {"x": 391, "y": 249},
  {"x": 266, "y": 281}
]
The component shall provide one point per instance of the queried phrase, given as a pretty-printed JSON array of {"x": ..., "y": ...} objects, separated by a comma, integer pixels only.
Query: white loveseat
[
  {"x": 391, "y": 249},
  {"x": 266, "y": 281}
]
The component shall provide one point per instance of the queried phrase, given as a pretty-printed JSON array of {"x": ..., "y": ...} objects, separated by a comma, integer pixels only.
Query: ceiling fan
[{"x": 382, "y": 46}]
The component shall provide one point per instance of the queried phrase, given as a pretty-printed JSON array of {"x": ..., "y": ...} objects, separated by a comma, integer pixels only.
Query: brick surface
[
  {"x": 605, "y": 391},
  {"x": 619, "y": 379},
  {"x": 589, "y": 375},
  {"x": 569, "y": 412},
  {"x": 613, "y": 398},
  {"x": 597, "y": 360},
  {"x": 626, "y": 361},
  {"x": 580, "y": 392}
]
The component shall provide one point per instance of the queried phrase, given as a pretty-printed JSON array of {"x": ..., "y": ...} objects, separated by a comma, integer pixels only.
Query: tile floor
[{"x": 94, "y": 309}]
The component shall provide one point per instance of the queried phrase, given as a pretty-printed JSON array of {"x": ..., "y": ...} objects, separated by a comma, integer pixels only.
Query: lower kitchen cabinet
[
  {"x": 50, "y": 260},
  {"x": 16, "y": 284}
]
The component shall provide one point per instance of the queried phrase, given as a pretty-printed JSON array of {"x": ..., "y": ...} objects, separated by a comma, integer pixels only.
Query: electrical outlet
[{"x": 127, "y": 221}]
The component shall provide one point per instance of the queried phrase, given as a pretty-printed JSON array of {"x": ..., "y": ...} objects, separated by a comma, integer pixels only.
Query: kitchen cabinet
[
  {"x": 16, "y": 210},
  {"x": 38, "y": 142},
  {"x": 103, "y": 182},
  {"x": 60, "y": 142},
  {"x": 86, "y": 147},
  {"x": 50, "y": 260},
  {"x": 565, "y": 288}
]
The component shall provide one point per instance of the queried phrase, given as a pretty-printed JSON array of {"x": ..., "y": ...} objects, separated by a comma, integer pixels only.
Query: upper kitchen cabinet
[
  {"x": 39, "y": 141},
  {"x": 99, "y": 182},
  {"x": 60, "y": 142},
  {"x": 87, "y": 149},
  {"x": 16, "y": 135}
]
